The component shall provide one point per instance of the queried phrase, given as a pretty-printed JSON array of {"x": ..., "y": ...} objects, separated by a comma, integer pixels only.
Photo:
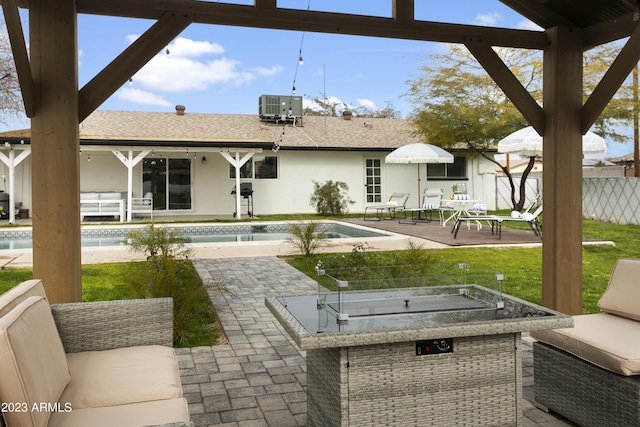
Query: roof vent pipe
[{"x": 180, "y": 110}]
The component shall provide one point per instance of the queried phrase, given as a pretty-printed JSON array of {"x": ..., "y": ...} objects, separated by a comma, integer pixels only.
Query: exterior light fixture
[{"x": 204, "y": 160}]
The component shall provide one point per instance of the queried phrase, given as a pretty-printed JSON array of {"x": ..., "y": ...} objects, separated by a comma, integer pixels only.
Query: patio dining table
[{"x": 460, "y": 208}]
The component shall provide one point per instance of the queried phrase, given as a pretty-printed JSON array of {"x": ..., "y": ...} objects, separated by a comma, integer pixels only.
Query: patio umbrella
[
  {"x": 527, "y": 142},
  {"x": 419, "y": 153}
]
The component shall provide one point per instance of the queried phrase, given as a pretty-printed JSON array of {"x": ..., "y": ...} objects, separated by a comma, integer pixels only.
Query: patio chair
[
  {"x": 396, "y": 203},
  {"x": 532, "y": 219},
  {"x": 431, "y": 202}
]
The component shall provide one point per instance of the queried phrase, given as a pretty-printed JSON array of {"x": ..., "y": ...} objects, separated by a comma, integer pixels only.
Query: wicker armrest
[{"x": 95, "y": 326}]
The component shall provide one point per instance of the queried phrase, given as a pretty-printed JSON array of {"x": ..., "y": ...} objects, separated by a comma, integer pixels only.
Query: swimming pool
[{"x": 201, "y": 233}]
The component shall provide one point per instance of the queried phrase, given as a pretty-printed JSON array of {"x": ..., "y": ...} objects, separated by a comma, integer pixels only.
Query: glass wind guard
[{"x": 365, "y": 293}]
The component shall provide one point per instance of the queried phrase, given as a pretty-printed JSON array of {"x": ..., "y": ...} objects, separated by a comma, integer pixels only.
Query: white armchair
[{"x": 142, "y": 205}]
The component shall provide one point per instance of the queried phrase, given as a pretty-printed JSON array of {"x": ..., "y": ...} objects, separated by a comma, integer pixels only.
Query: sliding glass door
[{"x": 169, "y": 180}]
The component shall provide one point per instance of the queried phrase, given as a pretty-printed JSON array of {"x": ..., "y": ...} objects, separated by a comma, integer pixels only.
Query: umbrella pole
[{"x": 418, "y": 184}]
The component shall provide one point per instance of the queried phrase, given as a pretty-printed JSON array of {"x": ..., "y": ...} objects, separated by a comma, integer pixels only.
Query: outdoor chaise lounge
[
  {"x": 396, "y": 203},
  {"x": 496, "y": 222},
  {"x": 590, "y": 373},
  {"x": 87, "y": 364}
]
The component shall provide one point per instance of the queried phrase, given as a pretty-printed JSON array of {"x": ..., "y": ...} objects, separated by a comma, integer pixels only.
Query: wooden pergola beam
[
  {"x": 313, "y": 21},
  {"x": 132, "y": 59},
  {"x": 537, "y": 12},
  {"x": 509, "y": 84},
  {"x": 20, "y": 55},
  {"x": 562, "y": 173},
  {"x": 609, "y": 31},
  {"x": 611, "y": 81},
  {"x": 403, "y": 10}
]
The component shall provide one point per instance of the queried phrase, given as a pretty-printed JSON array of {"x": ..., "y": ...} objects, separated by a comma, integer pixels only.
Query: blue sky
[{"x": 218, "y": 69}]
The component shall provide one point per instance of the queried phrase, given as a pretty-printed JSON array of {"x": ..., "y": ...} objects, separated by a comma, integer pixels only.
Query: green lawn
[
  {"x": 522, "y": 267},
  {"x": 108, "y": 282}
]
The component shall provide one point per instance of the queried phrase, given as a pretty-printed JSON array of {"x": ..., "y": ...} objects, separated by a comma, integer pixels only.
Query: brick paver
[{"x": 259, "y": 378}]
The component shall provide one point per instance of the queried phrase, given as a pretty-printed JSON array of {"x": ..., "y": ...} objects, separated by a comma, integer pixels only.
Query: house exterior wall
[
  {"x": 289, "y": 193},
  {"x": 102, "y": 171},
  {"x": 22, "y": 185}
]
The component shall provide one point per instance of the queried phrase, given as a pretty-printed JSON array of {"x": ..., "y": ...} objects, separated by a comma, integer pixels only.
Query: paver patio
[{"x": 259, "y": 377}]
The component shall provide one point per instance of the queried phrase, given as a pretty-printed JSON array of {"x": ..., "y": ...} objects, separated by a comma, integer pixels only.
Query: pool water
[{"x": 116, "y": 236}]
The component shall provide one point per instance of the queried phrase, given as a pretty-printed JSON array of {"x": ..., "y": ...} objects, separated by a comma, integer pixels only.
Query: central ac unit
[{"x": 279, "y": 107}]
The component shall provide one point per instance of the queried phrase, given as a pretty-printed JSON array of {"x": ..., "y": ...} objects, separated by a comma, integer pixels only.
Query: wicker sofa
[
  {"x": 87, "y": 364},
  {"x": 590, "y": 373}
]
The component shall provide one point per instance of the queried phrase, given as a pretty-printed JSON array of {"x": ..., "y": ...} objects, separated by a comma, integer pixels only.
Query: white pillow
[{"x": 516, "y": 214}]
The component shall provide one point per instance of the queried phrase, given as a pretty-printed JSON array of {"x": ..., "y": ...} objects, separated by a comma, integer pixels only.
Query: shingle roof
[
  {"x": 622, "y": 159},
  {"x": 315, "y": 131}
]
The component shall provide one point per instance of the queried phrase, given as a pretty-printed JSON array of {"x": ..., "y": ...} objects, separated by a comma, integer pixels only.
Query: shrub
[
  {"x": 159, "y": 241},
  {"x": 331, "y": 198},
  {"x": 307, "y": 236},
  {"x": 168, "y": 272}
]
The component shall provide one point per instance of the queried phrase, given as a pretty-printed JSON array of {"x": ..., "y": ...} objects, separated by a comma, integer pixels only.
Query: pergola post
[
  {"x": 55, "y": 149},
  {"x": 562, "y": 173}
]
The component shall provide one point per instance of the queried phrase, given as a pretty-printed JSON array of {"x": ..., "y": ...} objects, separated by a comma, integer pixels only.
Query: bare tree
[{"x": 10, "y": 96}]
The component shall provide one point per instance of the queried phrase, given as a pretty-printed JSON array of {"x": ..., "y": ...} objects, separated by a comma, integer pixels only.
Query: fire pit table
[{"x": 441, "y": 355}]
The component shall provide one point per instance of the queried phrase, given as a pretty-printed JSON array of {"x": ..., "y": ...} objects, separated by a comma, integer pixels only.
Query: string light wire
[{"x": 299, "y": 63}]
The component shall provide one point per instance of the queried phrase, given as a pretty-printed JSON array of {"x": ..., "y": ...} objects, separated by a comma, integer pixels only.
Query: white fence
[
  {"x": 533, "y": 187},
  {"x": 615, "y": 200}
]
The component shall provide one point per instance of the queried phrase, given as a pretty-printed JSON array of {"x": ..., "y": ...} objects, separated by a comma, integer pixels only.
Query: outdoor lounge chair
[
  {"x": 590, "y": 373},
  {"x": 396, "y": 202},
  {"x": 431, "y": 202},
  {"x": 496, "y": 222}
]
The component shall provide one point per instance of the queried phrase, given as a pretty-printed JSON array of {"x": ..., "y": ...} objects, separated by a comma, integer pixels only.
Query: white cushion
[
  {"x": 131, "y": 415},
  {"x": 622, "y": 296},
  {"x": 606, "y": 340},
  {"x": 89, "y": 196},
  {"x": 33, "y": 367},
  {"x": 19, "y": 293},
  {"x": 111, "y": 196},
  {"x": 121, "y": 376}
]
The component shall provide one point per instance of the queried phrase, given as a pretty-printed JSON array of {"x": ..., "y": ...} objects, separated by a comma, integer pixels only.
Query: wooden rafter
[
  {"x": 313, "y": 21},
  {"x": 114, "y": 75},
  {"x": 20, "y": 56},
  {"x": 403, "y": 10},
  {"x": 609, "y": 31},
  {"x": 539, "y": 13},
  {"x": 611, "y": 81},
  {"x": 509, "y": 84}
]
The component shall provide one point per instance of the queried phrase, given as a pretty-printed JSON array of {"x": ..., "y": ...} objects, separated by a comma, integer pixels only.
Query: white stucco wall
[
  {"x": 22, "y": 184},
  {"x": 289, "y": 193}
]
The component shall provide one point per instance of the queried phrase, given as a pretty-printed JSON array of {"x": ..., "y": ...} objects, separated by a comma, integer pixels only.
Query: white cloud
[
  {"x": 368, "y": 104},
  {"x": 170, "y": 74},
  {"x": 142, "y": 97},
  {"x": 488, "y": 19},
  {"x": 263, "y": 71},
  {"x": 130, "y": 38},
  {"x": 189, "y": 67},
  {"x": 529, "y": 25},
  {"x": 192, "y": 49}
]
